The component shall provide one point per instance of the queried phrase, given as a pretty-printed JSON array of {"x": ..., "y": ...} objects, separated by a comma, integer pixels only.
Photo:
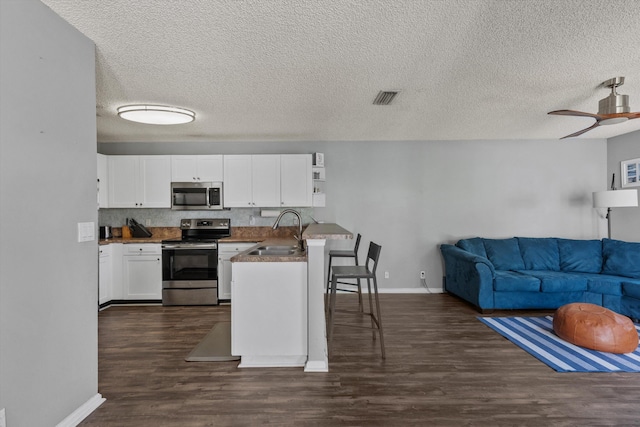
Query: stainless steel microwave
[{"x": 196, "y": 196}]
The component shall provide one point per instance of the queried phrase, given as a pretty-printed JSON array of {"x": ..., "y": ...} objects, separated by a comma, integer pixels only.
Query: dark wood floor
[{"x": 443, "y": 368}]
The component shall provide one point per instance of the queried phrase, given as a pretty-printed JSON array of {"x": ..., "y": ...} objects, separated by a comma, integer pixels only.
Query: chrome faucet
[{"x": 299, "y": 236}]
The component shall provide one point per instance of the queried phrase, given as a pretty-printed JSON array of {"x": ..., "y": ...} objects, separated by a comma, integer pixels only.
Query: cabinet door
[
  {"x": 117, "y": 292},
  {"x": 296, "y": 184},
  {"x": 224, "y": 275},
  {"x": 123, "y": 171},
  {"x": 103, "y": 183},
  {"x": 143, "y": 277},
  {"x": 104, "y": 275},
  {"x": 237, "y": 181},
  {"x": 184, "y": 168},
  {"x": 225, "y": 252},
  {"x": 155, "y": 182},
  {"x": 265, "y": 180},
  {"x": 210, "y": 168},
  {"x": 276, "y": 294}
]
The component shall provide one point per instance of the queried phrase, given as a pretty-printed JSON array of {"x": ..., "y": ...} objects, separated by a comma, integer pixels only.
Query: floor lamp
[{"x": 614, "y": 199}]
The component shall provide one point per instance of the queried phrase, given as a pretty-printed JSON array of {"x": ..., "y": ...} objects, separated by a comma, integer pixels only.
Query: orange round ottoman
[{"x": 595, "y": 327}]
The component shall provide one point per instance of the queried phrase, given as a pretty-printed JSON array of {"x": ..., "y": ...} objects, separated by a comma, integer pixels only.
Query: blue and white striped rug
[{"x": 536, "y": 336}]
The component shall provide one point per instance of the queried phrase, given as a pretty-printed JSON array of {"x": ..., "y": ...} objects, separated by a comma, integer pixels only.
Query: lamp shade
[{"x": 615, "y": 198}]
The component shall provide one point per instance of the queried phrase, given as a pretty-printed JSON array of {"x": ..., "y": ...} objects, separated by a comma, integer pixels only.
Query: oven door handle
[{"x": 192, "y": 247}]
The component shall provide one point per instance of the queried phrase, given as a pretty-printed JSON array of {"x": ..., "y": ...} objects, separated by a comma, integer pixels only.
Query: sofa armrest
[{"x": 468, "y": 276}]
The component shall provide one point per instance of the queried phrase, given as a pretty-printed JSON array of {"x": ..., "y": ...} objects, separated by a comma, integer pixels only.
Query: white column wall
[
  {"x": 625, "y": 222},
  {"x": 48, "y": 281}
]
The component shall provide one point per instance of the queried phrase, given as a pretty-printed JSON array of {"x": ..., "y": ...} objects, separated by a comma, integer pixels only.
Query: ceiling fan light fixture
[
  {"x": 613, "y": 121},
  {"x": 156, "y": 114},
  {"x": 612, "y": 110}
]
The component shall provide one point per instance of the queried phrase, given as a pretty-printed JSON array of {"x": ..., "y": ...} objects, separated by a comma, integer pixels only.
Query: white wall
[
  {"x": 412, "y": 196},
  {"x": 48, "y": 281},
  {"x": 625, "y": 222}
]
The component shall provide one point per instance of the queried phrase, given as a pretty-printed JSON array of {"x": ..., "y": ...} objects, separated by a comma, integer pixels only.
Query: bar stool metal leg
[
  {"x": 358, "y": 272},
  {"x": 379, "y": 316},
  {"x": 331, "y": 309}
]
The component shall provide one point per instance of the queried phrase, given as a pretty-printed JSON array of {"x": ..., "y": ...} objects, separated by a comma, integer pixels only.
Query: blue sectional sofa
[{"x": 544, "y": 273}]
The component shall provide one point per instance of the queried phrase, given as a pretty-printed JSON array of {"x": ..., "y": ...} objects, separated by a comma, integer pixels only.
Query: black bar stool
[
  {"x": 349, "y": 253},
  {"x": 367, "y": 271}
]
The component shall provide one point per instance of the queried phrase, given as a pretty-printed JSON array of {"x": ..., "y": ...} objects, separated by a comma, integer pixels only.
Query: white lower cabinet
[
  {"x": 110, "y": 273},
  {"x": 142, "y": 272},
  {"x": 269, "y": 313},
  {"x": 225, "y": 252},
  {"x": 105, "y": 274}
]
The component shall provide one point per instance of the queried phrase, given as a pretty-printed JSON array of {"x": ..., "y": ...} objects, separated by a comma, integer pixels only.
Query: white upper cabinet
[
  {"x": 205, "y": 168},
  {"x": 139, "y": 181},
  {"x": 251, "y": 181},
  {"x": 296, "y": 183},
  {"x": 237, "y": 181},
  {"x": 265, "y": 180}
]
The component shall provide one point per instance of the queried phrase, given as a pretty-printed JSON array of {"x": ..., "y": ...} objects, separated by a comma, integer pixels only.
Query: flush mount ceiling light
[{"x": 156, "y": 114}]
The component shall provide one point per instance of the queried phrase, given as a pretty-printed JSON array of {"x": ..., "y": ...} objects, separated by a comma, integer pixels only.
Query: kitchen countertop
[
  {"x": 238, "y": 235},
  {"x": 158, "y": 234},
  {"x": 326, "y": 231},
  {"x": 258, "y": 234}
]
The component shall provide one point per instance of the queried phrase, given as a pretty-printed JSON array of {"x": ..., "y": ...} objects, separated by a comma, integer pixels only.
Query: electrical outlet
[
  {"x": 386, "y": 274},
  {"x": 147, "y": 223},
  {"x": 422, "y": 274}
]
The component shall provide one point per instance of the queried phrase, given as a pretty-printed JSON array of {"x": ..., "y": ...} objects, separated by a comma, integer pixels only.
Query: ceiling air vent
[{"x": 384, "y": 97}]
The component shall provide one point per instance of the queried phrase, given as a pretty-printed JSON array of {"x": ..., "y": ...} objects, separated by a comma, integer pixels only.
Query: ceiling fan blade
[
  {"x": 580, "y": 132},
  {"x": 574, "y": 113}
]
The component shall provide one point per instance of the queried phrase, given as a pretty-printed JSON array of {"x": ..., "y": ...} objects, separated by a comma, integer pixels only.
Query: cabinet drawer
[
  {"x": 234, "y": 248},
  {"x": 142, "y": 249}
]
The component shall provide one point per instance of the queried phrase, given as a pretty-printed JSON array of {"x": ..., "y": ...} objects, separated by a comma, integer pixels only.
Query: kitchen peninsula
[{"x": 278, "y": 302}]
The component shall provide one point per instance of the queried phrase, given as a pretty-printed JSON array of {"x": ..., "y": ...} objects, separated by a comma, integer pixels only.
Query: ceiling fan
[{"x": 612, "y": 110}]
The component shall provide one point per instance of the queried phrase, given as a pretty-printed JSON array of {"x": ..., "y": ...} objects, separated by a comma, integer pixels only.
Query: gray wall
[
  {"x": 412, "y": 196},
  {"x": 48, "y": 281},
  {"x": 625, "y": 222}
]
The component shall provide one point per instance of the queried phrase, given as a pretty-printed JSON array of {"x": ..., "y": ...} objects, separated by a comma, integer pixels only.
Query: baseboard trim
[
  {"x": 82, "y": 412},
  {"x": 404, "y": 290}
]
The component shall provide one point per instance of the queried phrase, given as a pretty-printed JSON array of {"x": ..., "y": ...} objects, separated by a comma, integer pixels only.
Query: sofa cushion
[
  {"x": 504, "y": 254},
  {"x": 631, "y": 288},
  {"x": 583, "y": 256},
  {"x": 604, "y": 284},
  {"x": 511, "y": 281},
  {"x": 474, "y": 245},
  {"x": 557, "y": 281},
  {"x": 621, "y": 258},
  {"x": 539, "y": 253}
]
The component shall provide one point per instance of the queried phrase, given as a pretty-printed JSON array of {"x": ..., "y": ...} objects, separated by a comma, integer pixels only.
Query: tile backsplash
[{"x": 171, "y": 218}]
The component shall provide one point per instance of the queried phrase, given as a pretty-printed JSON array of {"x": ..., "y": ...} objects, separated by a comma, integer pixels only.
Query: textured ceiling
[{"x": 309, "y": 70}]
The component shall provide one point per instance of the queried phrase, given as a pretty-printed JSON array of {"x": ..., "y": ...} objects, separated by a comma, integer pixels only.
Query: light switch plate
[{"x": 86, "y": 231}]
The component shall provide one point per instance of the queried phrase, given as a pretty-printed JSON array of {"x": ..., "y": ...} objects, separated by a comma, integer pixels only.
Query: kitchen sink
[
  {"x": 275, "y": 250},
  {"x": 279, "y": 247}
]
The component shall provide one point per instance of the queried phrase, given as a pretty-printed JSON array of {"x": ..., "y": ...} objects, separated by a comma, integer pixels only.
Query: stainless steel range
[{"x": 190, "y": 265}]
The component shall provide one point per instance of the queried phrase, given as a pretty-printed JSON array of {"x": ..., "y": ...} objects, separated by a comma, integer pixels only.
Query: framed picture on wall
[{"x": 630, "y": 173}]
